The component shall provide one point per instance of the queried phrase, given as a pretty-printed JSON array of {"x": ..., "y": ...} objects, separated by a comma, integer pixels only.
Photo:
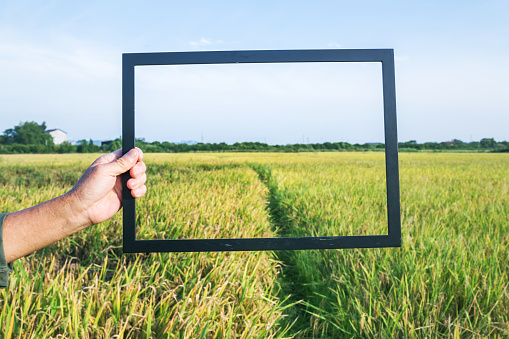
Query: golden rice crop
[
  {"x": 83, "y": 287},
  {"x": 449, "y": 279}
]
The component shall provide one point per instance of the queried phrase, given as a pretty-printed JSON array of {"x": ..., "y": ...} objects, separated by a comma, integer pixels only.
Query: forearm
[
  {"x": 96, "y": 197},
  {"x": 36, "y": 227}
]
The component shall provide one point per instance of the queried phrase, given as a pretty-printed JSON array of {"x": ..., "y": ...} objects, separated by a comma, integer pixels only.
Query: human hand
[{"x": 97, "y": 195}]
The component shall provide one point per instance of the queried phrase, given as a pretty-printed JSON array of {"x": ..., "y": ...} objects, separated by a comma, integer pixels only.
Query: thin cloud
[
  {"x": 84, "y": 63},
  {"x": 334, "y": 45},
  {"x": 68, "y": 83},
  {"x": 205, "y": 42}
]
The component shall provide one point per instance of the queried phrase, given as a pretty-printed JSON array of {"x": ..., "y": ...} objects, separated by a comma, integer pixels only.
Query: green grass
[{"x": 449, "y": 279}]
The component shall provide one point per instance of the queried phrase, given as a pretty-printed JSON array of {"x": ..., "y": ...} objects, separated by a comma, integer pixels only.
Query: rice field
[{"x": 449, "y": 279}]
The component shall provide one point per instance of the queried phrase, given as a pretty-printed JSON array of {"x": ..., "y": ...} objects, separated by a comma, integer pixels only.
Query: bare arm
[{"x": 95, "y": 198}]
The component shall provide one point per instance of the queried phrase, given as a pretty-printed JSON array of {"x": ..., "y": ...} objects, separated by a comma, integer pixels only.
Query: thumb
[{"x": 123, "y": 164}]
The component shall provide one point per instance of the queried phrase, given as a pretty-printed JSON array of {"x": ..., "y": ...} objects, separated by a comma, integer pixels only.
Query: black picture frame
[{"x": 384, "y": 56}]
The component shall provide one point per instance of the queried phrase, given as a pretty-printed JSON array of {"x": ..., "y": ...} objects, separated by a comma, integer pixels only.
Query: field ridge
[{"x": 301, "y": 314}]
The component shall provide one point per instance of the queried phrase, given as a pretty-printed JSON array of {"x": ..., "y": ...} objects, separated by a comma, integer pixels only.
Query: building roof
[{"x": 54, "y": 129}]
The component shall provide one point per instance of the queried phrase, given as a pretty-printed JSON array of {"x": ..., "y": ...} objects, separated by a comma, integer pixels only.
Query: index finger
[
  {"x": 107, "y": 158},
  {"x": 140, "y": 154}
]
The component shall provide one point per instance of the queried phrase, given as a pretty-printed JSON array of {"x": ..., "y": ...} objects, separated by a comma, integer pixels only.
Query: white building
[{"x": 58, "y": 135}]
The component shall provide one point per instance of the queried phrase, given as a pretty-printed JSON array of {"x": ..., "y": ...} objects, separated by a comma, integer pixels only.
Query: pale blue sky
[{"x": 60, "y": 62}]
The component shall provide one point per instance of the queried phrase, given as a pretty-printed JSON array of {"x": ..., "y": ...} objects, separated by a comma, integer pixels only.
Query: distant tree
[
  {"x": 28, "y": 133},
  {"x": 92, "y": 148},
  {"x": 488, "y": 143},
  {"x": 458, "y": 144},
  {"x": 66, "y": 147},
  {"x": 112, "y": 146},
  {"x": 328, "y": 145},
  {"x": 87, "y": 147},
  {"x": 474, "y": 145},
  {"x": 82, "y": 146},
  {"x": 116, "y": 144}
]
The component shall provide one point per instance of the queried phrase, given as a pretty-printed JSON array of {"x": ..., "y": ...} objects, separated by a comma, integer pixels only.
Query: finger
[
  {"x": 139, "y": 192},
  {"x": 123, "y": 164},
  {"x": 116, "y": 154},
  {"x": 110, "y": 157},
  {"x": 138, "y": 182},
  {"x": 107, "y": 158},
  {"x": 138, "y": 170},
  {"x": 140, "y": 154}
]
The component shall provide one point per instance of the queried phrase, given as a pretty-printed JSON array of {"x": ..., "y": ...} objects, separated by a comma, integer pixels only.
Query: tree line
[{"x": 30, "y": 137}]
